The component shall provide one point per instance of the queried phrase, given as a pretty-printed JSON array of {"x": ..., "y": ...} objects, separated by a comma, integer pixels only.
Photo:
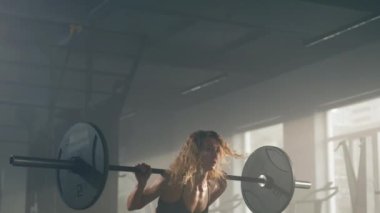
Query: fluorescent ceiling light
[
  {"x": 333, "y": 35},
  {"x": 204, "y": 84}
]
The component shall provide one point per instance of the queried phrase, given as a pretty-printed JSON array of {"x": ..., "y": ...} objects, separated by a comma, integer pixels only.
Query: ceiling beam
[
  {"x": 197, "y": 15},
  {"x": 10, "y": 141},
  {"x": 18, "y": 43},
  {"x": 69, "y": 69},
  {"x": 50, "y": 87},
  {"x": 363, "y": 5},
  {"x": 28, "y": 20},
  {"x": 32, "y": 105}
]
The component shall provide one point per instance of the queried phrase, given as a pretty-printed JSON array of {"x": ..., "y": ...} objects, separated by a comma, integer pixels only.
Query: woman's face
[{"x": 209, "y": 153}]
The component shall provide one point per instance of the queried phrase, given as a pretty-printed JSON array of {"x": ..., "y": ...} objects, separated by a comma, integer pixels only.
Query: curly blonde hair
[{"x": 188, "y": 163}]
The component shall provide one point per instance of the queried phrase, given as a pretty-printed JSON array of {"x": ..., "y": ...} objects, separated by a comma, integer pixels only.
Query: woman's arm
[{"x": 144, "y": 194}]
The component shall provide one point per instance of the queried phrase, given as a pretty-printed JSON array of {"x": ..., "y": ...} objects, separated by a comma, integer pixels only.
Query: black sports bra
[{"x": 177, "y": 206}]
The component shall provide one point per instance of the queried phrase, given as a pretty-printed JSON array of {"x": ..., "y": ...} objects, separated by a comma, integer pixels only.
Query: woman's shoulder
[
  {"x": 167, "y": 181},
  {"x": 219, "y": 184},
  {"x": 171, "y": 190}
]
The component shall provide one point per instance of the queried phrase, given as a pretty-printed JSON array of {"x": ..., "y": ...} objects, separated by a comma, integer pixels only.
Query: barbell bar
[
  {"x": 82, "y": 168},
  {"x": 24, "y": 161}
]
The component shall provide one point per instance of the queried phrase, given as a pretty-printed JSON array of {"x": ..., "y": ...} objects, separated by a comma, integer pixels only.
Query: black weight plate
[
  {"x": 274, "y": 163},
  {"x": 81, "y": 188}
]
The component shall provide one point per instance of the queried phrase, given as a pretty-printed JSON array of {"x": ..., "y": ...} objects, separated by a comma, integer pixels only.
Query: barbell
[{"x": 267, "y": 181}]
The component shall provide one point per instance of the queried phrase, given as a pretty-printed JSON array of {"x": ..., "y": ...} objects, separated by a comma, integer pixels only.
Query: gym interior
[{"x": 301, "y": 75}]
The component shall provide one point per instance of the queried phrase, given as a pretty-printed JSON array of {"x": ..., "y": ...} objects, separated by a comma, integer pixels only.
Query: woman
[{"x": 193, "y": 182}]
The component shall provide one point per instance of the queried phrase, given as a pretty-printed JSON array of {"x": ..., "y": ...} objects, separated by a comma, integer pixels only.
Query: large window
[{"x": 353, "y": 157}]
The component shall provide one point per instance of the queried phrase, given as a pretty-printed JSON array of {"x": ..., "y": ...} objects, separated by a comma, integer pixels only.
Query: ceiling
[{"x": 57, "y": 56}]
